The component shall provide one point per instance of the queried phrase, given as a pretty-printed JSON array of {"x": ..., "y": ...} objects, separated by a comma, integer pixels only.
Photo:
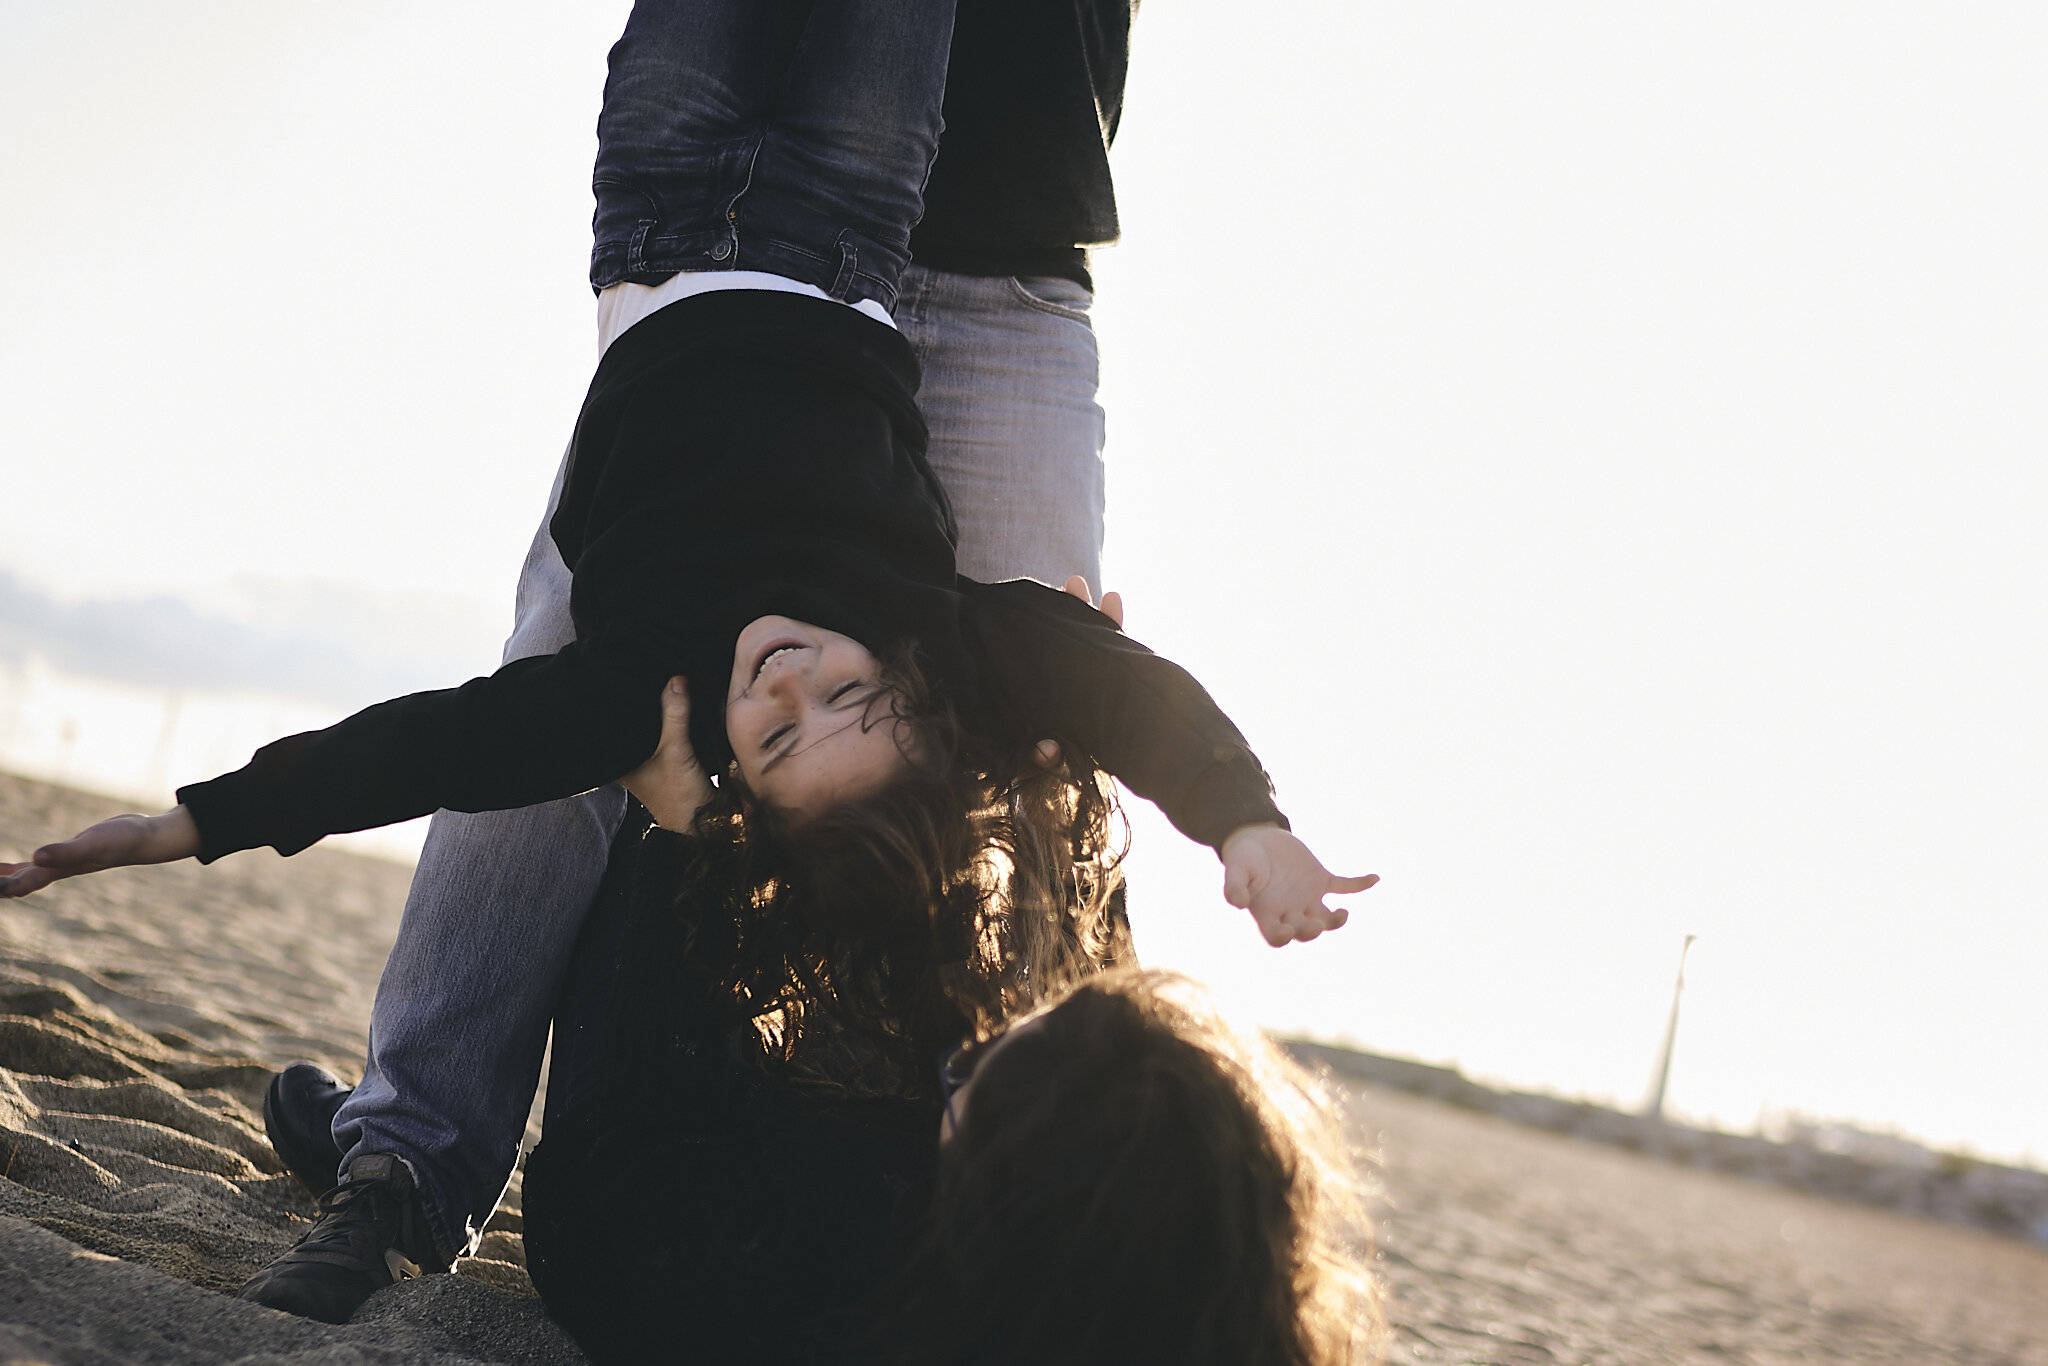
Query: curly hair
[
  {"x": 862, "y": 943},
  {"x": 1132, "y": 1181}
]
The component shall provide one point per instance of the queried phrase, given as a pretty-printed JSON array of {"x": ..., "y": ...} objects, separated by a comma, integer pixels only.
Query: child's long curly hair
[
  {"x": 1129, "y": 1181},
  {"x": 863, "y": 943}
]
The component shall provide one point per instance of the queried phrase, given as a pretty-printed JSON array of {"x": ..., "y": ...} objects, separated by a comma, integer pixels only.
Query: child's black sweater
[{"x": 741, "y": 454}]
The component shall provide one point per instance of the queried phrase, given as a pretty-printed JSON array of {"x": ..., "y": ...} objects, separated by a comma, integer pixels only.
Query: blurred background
[{"x": 1595, "y": 452}]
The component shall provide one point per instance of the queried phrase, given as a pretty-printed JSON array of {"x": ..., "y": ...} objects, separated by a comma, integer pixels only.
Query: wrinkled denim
[
  {"x": 789, "y": 136},
  {"x": 460, "y": 1024},
  {"x": 1010, "y": 373}
]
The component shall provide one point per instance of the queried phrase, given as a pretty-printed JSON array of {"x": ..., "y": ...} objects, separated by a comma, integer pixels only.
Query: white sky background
[{"x": 1594, "y": 452}]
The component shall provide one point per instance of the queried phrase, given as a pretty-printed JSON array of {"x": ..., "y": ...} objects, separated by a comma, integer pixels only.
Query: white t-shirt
[{"x": 621, "y": 305}]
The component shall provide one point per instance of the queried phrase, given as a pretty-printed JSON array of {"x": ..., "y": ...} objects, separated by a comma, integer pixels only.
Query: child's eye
[
  {"x": 777, "y": 734},
  {"x": 842, "y": 690}
]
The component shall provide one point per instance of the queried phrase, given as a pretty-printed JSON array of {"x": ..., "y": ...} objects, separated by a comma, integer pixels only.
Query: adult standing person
[{"x": 995, "y": 307}]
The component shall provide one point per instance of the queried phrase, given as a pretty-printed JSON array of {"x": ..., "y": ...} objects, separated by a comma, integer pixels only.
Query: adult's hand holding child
[
  {"x": 1111, "y": 606},
  {"x": 672, "y": 784},
  {"x": 1272, "y": 874},
  {"x": 116, "y": 842}
]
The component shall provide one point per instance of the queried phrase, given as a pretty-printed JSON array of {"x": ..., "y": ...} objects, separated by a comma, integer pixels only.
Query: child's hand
[
  {"x": 1270, "y": 873},
  {"x": 115, "y": 842},
  {"x": 671, "y": 784}
]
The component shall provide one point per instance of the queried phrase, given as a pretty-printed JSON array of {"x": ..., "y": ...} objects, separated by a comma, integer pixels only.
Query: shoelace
[
  {"x": 341, "y": 1198},
  {"x": 346, "y": 1194},
  {"x": 396, "y": 1264}
]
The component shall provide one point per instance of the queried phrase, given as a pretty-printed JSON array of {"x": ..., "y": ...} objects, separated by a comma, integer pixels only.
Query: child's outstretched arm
[
  {"x": 117, "y": 842},
  {"x": 1266, "y": 870},
  {"x": 535, "y": 730},
  {"x": 1149, "y": 723}
]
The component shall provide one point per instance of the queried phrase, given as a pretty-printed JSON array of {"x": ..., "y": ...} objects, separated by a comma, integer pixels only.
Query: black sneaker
[
  {"x": 298, "y": 1114},
  {"x": 371, "y": 1233}
]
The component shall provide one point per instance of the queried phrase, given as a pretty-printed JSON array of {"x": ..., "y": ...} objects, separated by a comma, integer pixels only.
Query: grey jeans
[{"x": 460, "y": 1023}]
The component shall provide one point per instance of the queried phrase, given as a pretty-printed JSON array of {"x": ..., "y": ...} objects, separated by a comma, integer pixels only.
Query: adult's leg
[
  {"x": 460, "y": 1022},
  {"x": 1010, "y": 375}
]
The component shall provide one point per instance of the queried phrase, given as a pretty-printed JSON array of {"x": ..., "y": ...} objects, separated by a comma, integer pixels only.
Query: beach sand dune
[{"x": 142, "y": 1011}]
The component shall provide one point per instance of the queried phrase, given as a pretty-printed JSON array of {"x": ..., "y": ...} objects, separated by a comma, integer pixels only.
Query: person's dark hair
[
  {"x": 864, "y": 942},
  {"x": 1130, "y": 1181}
]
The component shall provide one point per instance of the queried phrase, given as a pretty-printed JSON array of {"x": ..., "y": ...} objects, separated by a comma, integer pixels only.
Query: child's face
[{"x": 808, "y": 718}]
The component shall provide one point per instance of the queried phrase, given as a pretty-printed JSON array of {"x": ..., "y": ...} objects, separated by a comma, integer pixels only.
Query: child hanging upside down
[{"x": 748, "y": 506}]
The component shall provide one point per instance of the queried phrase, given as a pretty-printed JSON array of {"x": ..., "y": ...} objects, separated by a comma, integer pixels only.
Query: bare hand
[
  {"x": 1272, "y": 874},
  {"x": 1111, "y": 606},
  {"x": 671, "y": 784},
  {"x": 116, "y": 842}
]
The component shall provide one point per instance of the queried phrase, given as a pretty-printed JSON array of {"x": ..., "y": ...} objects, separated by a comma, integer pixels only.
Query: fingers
[
  {"x": 116, "y": 842},
  {"x": 51, "y": 863},
  {"x": 20, "y": 879},
  {"x": 61, "y": 857},
  {"x": 117, "y": 838},
  {"x": 1111, "y": 606},
  {"x": 670, "y": 783},
  {"x": 1321, "y": 920},
  {"x": 1352, "y": 884},
  {"x": 1313, "y": 922},
  {"x": 675, "y": 715},
  {"x": 1302, "y": 931},
  {"x": 1298, "y": 924},
  {"x": 1237, "y": 887}
]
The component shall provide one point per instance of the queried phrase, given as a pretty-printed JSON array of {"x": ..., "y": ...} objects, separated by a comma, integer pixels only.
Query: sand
[
  {"x": 1508, "y": 1244},
  {"x": 142, "y": 1011},
  {"x": 141, "y": 1015}
]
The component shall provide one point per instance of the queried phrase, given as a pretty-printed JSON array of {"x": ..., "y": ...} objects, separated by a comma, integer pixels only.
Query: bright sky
[{"x": 1595, "y": 451}]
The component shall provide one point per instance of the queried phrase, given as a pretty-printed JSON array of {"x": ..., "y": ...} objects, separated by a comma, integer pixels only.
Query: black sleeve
[
  {"x": 535, "y": 730},
  {"x": 1059, "y": 669}
]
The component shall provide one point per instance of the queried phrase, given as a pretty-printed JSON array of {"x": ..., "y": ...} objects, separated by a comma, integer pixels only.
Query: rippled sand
[
  {"x": 141, "y": 1014},
  {"x": 142, "y": 1011}
]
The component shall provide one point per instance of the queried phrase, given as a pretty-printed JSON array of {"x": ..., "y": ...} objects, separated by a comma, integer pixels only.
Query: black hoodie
[{"x": 741, "y": 454}]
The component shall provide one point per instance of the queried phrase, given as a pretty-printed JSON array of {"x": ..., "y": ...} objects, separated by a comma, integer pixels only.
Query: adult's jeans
[
  {"x": 461, "y": 1017},
  {"x": 788, "y": 136}
]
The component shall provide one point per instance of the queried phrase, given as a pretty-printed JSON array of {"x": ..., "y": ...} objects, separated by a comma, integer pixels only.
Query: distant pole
[{"x": 1655, "y": 1109}]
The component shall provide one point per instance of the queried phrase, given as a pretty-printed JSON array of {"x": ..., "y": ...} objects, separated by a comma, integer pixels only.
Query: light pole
[{"x": 1655, "y": 1109}]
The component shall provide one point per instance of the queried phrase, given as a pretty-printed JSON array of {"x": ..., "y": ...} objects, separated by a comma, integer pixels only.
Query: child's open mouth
[{"x": 775, "y": 648}]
